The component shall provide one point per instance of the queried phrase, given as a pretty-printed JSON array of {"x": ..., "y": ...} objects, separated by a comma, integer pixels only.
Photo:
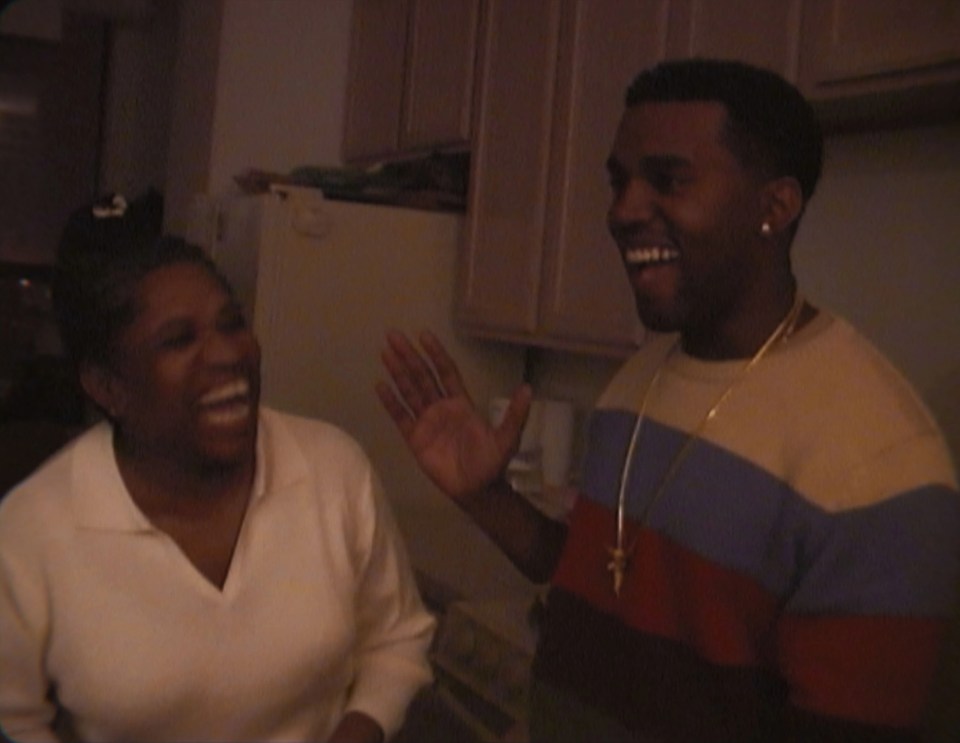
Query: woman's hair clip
[{"x": 116, "y": 207}]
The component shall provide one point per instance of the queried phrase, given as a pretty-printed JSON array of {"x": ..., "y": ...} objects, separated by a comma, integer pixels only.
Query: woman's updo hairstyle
[{"x": 105, "y": 250}]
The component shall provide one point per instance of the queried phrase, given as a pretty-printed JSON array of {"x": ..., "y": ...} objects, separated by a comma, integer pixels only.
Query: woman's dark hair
[
  {"x": 771, "y": 126},
  {"x": 105, "y": 251}
]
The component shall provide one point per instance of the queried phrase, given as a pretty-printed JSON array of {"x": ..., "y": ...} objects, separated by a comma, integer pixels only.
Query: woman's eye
[
  {"x": 233, "y": 322},
  {"x": 177, "y": 340}
]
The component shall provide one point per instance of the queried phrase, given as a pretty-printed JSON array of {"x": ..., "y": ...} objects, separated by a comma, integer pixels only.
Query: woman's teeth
[
  {"x": 230, "y": 415},
  {"x": 237, "y": 389},
  {"x": 227, "y": 404}
]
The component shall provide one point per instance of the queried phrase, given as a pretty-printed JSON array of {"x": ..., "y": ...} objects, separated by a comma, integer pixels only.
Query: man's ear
[
  {"x": 782, "y": 203},
  {"x": 103, "y": 387}
]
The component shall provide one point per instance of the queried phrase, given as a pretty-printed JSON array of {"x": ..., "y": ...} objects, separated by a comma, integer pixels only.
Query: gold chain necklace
[{"x": 620, "y": 555}]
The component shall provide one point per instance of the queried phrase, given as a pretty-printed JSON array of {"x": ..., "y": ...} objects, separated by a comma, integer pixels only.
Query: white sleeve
[
  {"x": 26, "y": 713},
  {"x": 393, "y": 628}
]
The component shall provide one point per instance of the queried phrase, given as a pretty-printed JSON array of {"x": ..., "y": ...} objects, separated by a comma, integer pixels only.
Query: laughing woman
[{"x": 195, "y": 567}]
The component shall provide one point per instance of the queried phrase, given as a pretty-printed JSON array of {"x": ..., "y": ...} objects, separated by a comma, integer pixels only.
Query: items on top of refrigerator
[{"x": 438, "y": 181}]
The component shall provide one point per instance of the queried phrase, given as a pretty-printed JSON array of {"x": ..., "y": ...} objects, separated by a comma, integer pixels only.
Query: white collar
[{"x": 100, "y": 500}]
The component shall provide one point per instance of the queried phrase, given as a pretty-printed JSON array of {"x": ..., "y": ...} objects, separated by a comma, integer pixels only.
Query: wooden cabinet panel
[
  {"x": 761, "y": 32},
  {"x": 441, "y": 52},
  {"x": 586, "y": 300},
  {"x": 847, "y": 40},
  {"x": 500, "y": 267},
  {"x": 883, "y": 62},
  {"x": 410, "y": 81},
  {"x": 375, "y": 79}
]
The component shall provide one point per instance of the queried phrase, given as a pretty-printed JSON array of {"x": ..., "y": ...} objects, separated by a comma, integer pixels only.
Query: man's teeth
[
  {"x": 655, "y": 254},
  {"x": 237, "y": 389}
]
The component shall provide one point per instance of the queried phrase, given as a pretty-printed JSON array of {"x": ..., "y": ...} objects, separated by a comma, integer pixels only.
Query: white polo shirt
[{"x": 319, "y": 613}]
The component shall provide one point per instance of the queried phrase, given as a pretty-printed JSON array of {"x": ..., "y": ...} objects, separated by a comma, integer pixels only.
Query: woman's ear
[
  {"x": 782, "y": 205},
  {"x": 103, "y": 387}
]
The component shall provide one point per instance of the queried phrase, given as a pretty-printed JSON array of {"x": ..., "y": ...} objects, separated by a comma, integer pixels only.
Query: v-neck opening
[{"x": 234, "y": 564}]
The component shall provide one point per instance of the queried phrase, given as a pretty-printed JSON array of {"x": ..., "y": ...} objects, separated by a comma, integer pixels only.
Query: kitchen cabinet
[
  {"x": 763, "y": 33},
  {"x": 884, "y": 61},
  {"x": 410, "y": 79}
]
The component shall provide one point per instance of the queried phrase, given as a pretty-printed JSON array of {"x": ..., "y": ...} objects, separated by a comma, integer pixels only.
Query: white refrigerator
[{"x": 323, "y": 280}]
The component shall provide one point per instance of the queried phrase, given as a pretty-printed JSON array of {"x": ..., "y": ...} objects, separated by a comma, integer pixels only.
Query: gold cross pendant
[{"x": 619, "y": 558}]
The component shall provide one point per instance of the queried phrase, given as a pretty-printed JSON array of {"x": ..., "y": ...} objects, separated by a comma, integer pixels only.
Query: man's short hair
[{"x": 771, "y": 126}]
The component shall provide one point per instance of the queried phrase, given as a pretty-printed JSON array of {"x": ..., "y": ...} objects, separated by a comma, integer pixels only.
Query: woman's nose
[{"x": 222, "y": 348}]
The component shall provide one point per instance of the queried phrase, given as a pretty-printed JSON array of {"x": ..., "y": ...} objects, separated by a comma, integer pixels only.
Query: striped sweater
[{"x": 796, "y": 575}]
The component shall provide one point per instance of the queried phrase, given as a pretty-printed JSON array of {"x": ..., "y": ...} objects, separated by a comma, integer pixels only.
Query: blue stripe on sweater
[{"x": 897, "y": 557}]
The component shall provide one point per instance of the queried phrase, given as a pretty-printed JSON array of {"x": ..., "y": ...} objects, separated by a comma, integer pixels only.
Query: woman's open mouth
[{"x": 227, "y": 404}]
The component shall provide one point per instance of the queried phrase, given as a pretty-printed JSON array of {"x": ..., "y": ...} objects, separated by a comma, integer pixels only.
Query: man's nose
[{"x": 632, "y": 203}]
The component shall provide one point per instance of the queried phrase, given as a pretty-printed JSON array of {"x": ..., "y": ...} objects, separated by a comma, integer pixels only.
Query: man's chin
[{"x": 657, "y": 320}]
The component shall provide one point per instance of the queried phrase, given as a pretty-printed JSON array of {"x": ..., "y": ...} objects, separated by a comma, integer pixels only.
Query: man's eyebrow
[
  {"x": 649, "y": 163},
  {"x": 614, "y": 166},
  {"x": 664, "y": 162}
]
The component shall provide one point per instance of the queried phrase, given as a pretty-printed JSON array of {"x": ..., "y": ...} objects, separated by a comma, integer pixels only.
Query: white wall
[
  {"x": 259, "y": 84},
  {"x": 281, "y": 86},
  {"x": 881, "y": 245}
]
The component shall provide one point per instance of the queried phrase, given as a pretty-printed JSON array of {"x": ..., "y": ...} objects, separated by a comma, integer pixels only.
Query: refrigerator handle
[
  {"x": 308, "y": 214},
  {"x": 311, "y": 221}
]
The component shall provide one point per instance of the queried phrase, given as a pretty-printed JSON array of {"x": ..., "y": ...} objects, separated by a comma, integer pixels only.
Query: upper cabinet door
[
  {"x": 501, "y": 261},
  {"x": 441, "y": 54},
  {"x": 410, "y": 81},
  {"x": 883, "y": 61},
  {"x": 375, "y": 79},
  {"x": 763, "y": 32},
  {"x": 851, "y": 40},
  {"x": 586, "y": 301}
]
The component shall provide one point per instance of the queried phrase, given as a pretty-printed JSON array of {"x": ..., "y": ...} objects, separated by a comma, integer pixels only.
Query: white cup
[
  {"x": 543, "y": 457},
  {"x": 556, "y": 441}
]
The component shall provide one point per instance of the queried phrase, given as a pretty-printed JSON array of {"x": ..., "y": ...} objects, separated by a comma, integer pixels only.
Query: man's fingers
[
  {"x": 416, "y": 365},
  {"x": 414, "y": 380},
  {"x": 446, "y": 368},
  {"x": 510, "y": 428},
  {"x": 400, "y": 413}
]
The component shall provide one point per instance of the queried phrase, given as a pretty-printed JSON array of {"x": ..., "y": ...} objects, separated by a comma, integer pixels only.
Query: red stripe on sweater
[
  {"x": 876, "y": 670},
  {"x": 668, "y": 590}
]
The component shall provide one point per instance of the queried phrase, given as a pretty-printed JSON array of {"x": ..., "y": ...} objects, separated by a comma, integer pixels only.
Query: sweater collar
[{"x": 100, "y": 499}]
